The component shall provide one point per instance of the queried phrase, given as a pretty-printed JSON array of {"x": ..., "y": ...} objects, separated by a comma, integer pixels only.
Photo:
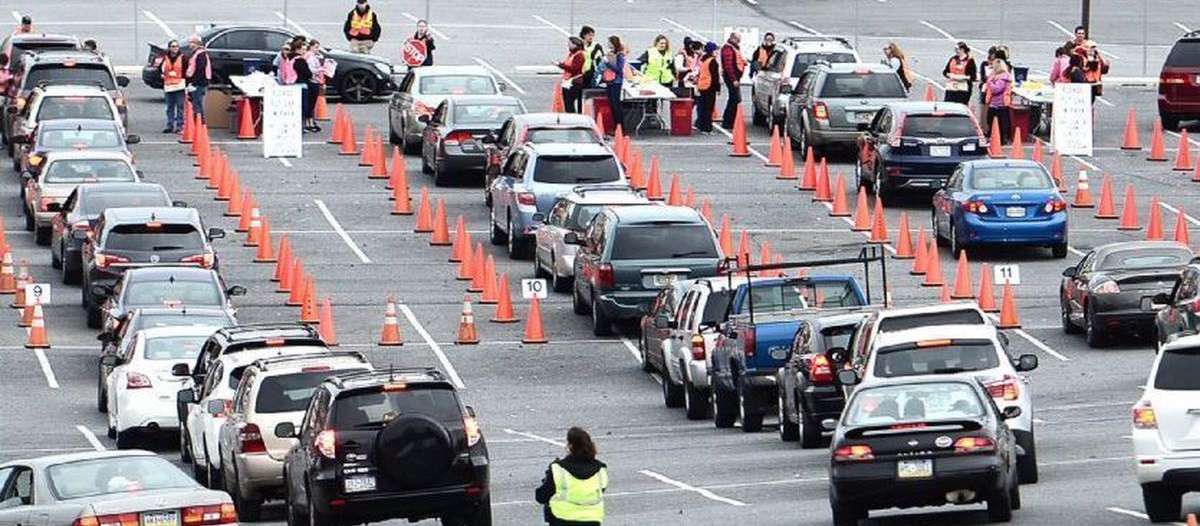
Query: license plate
[
  {"x": 662, "y": 280},
  {"x": 914, "y": 469},
  {"x": 939, "y": 151},
  {"x": 1015, "y": 211},
  {"x": 360, "y": 483},
  {"x": 160, "y": 518},
  {"x": 863, "y": 116}
]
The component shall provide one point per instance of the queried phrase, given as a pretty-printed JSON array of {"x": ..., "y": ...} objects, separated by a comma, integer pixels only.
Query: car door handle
[{"x": 1194, "y": 411}]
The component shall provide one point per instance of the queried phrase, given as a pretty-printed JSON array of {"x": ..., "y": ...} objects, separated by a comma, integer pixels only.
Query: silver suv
[
  {"x": 773, "y": 85},
  {"x": 572, "y": 212},
  {"x": 834, "y": 103}
]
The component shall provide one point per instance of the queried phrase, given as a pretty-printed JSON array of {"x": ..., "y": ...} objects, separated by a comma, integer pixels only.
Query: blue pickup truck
[{"x": 764, "y": 316}]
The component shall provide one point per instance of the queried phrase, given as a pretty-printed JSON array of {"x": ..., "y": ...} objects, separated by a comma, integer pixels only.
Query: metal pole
[
  {"x": 135, "y": 30},
  {"x": 856, "y": 24},
  {"x": 1144, "y": 36},
  {"x": 572, "y": 19},
  {"x": 1086, "y": 10}
]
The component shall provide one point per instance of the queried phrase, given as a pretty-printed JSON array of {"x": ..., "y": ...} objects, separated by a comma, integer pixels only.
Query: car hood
[
  {"x": 152, "y": 500},
  {"x": 344, "y": 56}
]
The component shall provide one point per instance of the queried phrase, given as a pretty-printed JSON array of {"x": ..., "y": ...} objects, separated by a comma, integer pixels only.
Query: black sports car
[
  {"x": 237, "y": 50},
  {"x": 930, "y": 442},
  {"x": 1111, "y": 290}
]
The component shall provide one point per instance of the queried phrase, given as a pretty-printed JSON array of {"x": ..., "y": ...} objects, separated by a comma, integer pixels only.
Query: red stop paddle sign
[{"x": 414, "y": 52}]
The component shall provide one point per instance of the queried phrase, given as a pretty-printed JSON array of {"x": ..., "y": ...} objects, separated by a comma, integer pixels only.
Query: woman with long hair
[
  {"x": 613, "y": 76},
  {"x": 573, "y": 489}
]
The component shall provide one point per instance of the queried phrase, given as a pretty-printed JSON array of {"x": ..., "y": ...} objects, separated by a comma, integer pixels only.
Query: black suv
[{"x": 387, "y": 444}]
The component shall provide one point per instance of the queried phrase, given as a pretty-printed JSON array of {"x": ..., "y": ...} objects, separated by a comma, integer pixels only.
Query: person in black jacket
[
  {"x": 425, "y": 36},
  {"x": 361, "y": 28},
  {"x": 306, "y": 78},
  {"x": 581, "y": 466}
]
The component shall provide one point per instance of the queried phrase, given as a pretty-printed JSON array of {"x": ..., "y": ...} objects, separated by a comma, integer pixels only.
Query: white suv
[
  {"x": 773, "y": 85},
  {"x": 693, "y": 335},
  {"x": 1165, "y": 444}
]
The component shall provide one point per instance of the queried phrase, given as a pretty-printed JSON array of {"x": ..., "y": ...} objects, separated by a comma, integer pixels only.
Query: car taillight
[
  {"x": 749, "y": 342},
  {"x": 422, "y": 109},
  {"x": 1107, "y": 287},
  {"x": 44, "y": 203},
  {"x": 104, "y": 260},
  {"x": 821, "y": 111},
  {"x": 81, "y": 225},
  {"x": 326, "y": 443},
  {"x": 123, "y": 519},
  {"x": 526, "y": 198},
  {"x": 1173, "y": 78},
  {"x": 215, "y": 514},
  {"x": 698, "y": 352},
  {"x": 1054, "y": 205},
  {"x": 820, "y": 370},
  {"x": 1005, "y": 389},
  {"x": 855, "y": 453},
  {"x": 472, "y": 428},
  {"x": 604, "y": 276},
  {"x": 456, "y": 138},
  {"x": 205, "y": 260},
  {"x": 137, "y": 381},
  {"x": 250, "y": 438},
  {"x": 973, "y": 445},
  {"x": 975, "y": 207},
  {"x": 1143, "y": 416}
]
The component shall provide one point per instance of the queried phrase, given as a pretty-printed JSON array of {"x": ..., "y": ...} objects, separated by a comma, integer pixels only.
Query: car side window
[
  {"x": 241, "y": 399},
  {"x": 127, "y": 351},
  {"x": 1088, "y": 262},
  {"x": 273, "y": 40},
  {"x": 212, "y": 380},
  {"x": 320, "y": 410},
  {"x": 877, "y": 122},
  {"x": 406, "y": 84},
  {"x": 19, "y": 489},
  {"x": 955, "y": 182},
  {"x": 559, "y": 214},
  {"x": 69, "y": 204},
  {"x": 239, "y": 40},
  {"x": 439, "y": 115}
]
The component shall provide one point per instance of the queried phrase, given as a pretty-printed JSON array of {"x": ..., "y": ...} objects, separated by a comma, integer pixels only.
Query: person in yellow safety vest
[
  {"x": 361, "y": 28},
  {"x": 593, "y": 53},
  {"x": 573, "y": 488},
  {"x": 657, "y": 63}
]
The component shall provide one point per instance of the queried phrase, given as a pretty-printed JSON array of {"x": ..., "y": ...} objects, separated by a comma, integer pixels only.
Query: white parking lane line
[
  {"x": 51, "y": 380},
  {"x": 91, "y": 438},
  {"x": 552, "y": 25},
  {"x": 687, "y": 487},
  {"x": 939, "y": 30},
  {"x": 16, "y": 15},
  {"x": 437, "y": 349},
  {"x": 1071, "y": 34},
  {"x": 432, "y": 29},
  {"x": 751, "y": 2},
  {"x": 283, "y": 160},
  {"x": 161, "y": 25},
  {"x": 300, "y": 29},
  {"x": 1136, "y": 514},
  {"x": 1036, "y": 342},
  {"x": 683, "y": 28},
  {"x": 637, "y": 356},
  {"x": 538, "y": 438},
  {"x": 337, "y": 227},
  {"x": 498, "y": 73}
]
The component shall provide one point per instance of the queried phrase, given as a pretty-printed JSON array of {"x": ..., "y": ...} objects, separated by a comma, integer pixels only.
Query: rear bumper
[
  {"x": 626, "y": 305},
  {"x": 828, "y": 135},
  {"x": 463, "y": 162},
  {"x": 379, "y": 506},
  {"x": 1178, "y": 108},
  {"x": 144, "y": 410},
  {"x": 1155, "y": 463},
  {"x": 920, "y": 172},
  {"x": 260, "y": 475},
  {"x": 876, "y": 486},
  {"x": 1051, "y": 231},
  {"x": 822, "y": 401},
  {"x": 1123, "y": 311}
]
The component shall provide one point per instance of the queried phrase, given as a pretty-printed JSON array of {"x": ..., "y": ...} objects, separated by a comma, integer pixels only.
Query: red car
[{"x": 1179, "y": 82}]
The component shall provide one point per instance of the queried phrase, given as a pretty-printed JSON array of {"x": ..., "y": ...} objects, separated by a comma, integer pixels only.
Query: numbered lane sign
[
  {"x": 533, "y": 288},
  {"x": 1002, "y": 274},
  {"x": 38, "y": 292}
]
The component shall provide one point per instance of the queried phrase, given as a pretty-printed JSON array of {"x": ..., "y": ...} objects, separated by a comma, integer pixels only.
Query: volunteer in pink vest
[{"x": 199, "y": 74}]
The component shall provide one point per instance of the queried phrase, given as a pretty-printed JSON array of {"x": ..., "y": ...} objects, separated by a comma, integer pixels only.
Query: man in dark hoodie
[{"x": 573, "y": 489}]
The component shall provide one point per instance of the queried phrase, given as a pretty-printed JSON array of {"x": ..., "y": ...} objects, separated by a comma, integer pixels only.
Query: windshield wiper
[
  {"x": 166, "y": 247},
  {"x": 690, "y": 253}
]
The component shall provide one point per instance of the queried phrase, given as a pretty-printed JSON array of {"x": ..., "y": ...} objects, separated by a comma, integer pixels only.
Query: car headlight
[{"x": 386, "y": 69}]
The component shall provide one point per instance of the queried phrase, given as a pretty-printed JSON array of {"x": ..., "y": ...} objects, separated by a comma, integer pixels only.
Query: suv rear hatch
[
  {"x": 556, "y": 174},
  {"x": 284, "y": 398},
  {"x": 853, "y": 98},
  {"x": 1175, "y": 398},
  {"x": 157, "y": 243},
  {"x": 70, "y": 72},
  {"x": 652, "y": 256},
  {"x": 1179, "y": 81}
]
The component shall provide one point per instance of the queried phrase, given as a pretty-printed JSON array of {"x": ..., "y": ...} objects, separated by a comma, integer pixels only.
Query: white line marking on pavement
[
  {"x": 1189, "y": 218},
  {"x": 292, "y": 23},
  {"x": 682, "y": 27},
  {"x": 91, "y": 438},
  {"x": 161, "y": 25},
  {"x": 637, "y": 356},
  {"x": 433, "y": 30},
  {"x": 1105, "y": 102},
  {"x": 16, "y": 15},
  {"x": 1036, "y": 342},
  {"x": 1073, "y": 407},
  {"x": 1136, "y": 514},
  {"x": 1183, "y": 27},
  {"x": 337, "y": 227},
  {"x": 1071, "y": 34},
  {"x": 552, "y": 25},
  {"x": 502, "y": 76},
  {"x": 687, "y": 487},
  {"x": 805, "y": 28},
  {"x": 539, "y": 438},
  {"x": 437, "y": 349},
  {"x": 751, "y": 2},
  {"x": 46, "y": 370},
  {"x": 940, "y": 31},
  {"x": 284, "y": 161}
]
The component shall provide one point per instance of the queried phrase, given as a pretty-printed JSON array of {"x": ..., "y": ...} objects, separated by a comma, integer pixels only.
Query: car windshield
[
  {"x": 890, "y": 404},
  {"x": 146, "y": 321},
  {"x": 803, "y": 60},
  {"x": 923, "y": 319},
  {"x": 1178, "y": 370},
  {"x": 88, "y": 171},
  {"x": 95, "y": 202},
  {"x": 663, "y": 241},
  {"x": 173, "y": 292},
  {"x": 173, "y": 348},
  {"x": 457, "y": 85},
  {"x": 1010, "y": 178},
  {"x": 78, "y": 139},
  {"x": 486, "y": 115},
  {"x": 85, "y": 74},
  {"x": 1185, "y": 53},
  {"x": 287, "y": 393},
  {"x": 838, "y": 336},
  {"x": 377, "y": 408},
  {"x": 779, "y": 297},
  {"x": 862, "y": 85},
  {"x": 561, "y": 136},
  {"x": 83, "y": 107},
  {"x": 1146, "y": 258},
  {"x": 716, "y": 309},
  {"x": 106, "y": 476},
  {"x": 154, "y": 237},
  {"x": 936, "y": 357},
  {"x": 948, "y": 125},
  {"x": 576, "y": 169}
]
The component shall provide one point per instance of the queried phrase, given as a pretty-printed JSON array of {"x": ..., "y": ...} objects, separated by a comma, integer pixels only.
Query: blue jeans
[
  {"x": 174, "y": 101},
  {"x": 197, "y": 98}
]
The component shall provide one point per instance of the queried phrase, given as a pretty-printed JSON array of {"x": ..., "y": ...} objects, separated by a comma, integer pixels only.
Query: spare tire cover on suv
[{"x": 414, "y": 450}]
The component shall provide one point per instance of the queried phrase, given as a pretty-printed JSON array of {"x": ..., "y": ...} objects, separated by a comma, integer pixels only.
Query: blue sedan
[{"x": 1001, "y": 202}]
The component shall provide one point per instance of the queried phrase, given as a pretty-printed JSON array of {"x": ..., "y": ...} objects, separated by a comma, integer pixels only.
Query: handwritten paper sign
[
  {"x": 281, "y": 121},
  {"x": 1071, "y": 130}
]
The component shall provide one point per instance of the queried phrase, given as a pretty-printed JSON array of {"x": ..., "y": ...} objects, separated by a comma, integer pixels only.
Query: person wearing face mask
[
  {"x": 198, "y": 74},
  {"x": 173, "y": 86},
  {"x": 763, "y": 53},
  {"x": 425, "y": 36},
  {"x": 361, "y": 28},
  {"x": 572, "y": 76},
  {"x": 573, "y": 489},
  {"x": 657, "y": 63},
  {"x": 960, "y": 73}
]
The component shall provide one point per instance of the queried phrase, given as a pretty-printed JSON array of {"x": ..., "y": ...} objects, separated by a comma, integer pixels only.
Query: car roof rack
[
  {"x": 300, "y": 329},
  {"x": 390, "y": 373},
  {"x": 265, "y": 364}
]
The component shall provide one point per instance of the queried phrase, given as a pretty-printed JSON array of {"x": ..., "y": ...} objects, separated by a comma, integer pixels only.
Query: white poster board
[
  {"x": 750, "y": 42},
  {"x": 1071, "y": 129},
  {"x": 282, "y": 135}
]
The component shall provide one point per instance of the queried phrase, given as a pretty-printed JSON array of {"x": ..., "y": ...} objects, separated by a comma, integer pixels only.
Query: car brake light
[
  {"x": 215, "y": 514},
  {"x": 527, "y": 199},
  {"x": 973, "y": 445},
  {"x": 394, "y": 386},
  {"x": 104, "y": 261},
  {"x": 44, "y": 203},
  {"x": 137, "y": 381},
  {"x": 1143, "y": 416},
  {"x": 820, "y": 111},
  {"x": 422, "y": 109},
  {"x": 123, "y": 519},
  {"x": 749, "y": 342},
  {"x": 472, "y": 428},
  {"x": 604, "y": 276},
  {"x": 820, "y": 370},
  {"x": 975, "y": 207},
  {"x": 1054, "y": 205},
  {"x": 273, "y": 342},
  {"x": 455, "y": 138},
  {"x": 326, "y": 443},
  {"x": 205, "y": 260},
  {"x": 251, "y": 440},
  {"x": 314, "y": 369},
  {"x": 1173, "y": 78},
  {"x": 894, "y": 140},
  {"x": 698, "y": 352},
  {"x": 855, "y": 453},
  {"x": 81, "y": 225},
  {"x": 1107, "y": 287},
  {"x": 933, "y": 343},
  {"x": 1004, "y": 389}
]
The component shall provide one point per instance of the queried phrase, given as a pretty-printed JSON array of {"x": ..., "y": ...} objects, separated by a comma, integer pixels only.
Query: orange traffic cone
[
  {"x": 944, "y": 294},
  {"x": 308, "y": 309},
  {"x": 725, "y": 237},
  {"x": 775, "y": 151},
  {"x": 217, "y": 170},
  {"x": 995, "y": 150},
  {"x": 390, "y": 335},
  {"x": 489, "y": 294},
  {"x": 225, "y": 187},
  {"x": 466, "y": 325},
  {"x": 246, "y": 128},
  {"x": 194, "y": 118},
  {"x": 284, "y": 260},
  {"x": 234, "y": 208},
  {"x": 1129, "y": 215},
  {"x": 1131, "y": 140},
  {"x": 1158, "y": 151},
  {"x": 4, "y": 239},
  {"x": 823, "y": 194},
  {"x": 265, "y": 252},
  {"x": 203, "y": 163},
  {"x": 929, "y": 97},
  {"x": 743, "y": 249},
  {"x": 379, "y": 167},
  {"x": 1106, "y": 210},
  {"x": 862, "y": 218},
  {"x": 349, "y": 144},
  {"x": 986, "y": 299},
  {"x": 441, "y": 232},
  {"x": 533, "y": 326},
  {"x": 26, "y": 318},
  {"x": 1181, "y": 229},
  {"x": 1008, "y": 309},
  {"x": 689, "y": 199},
  {"x": 556, "y": 104},
  {"x": 296, "y": 294},
  {"x": 187, "y": 133},
  {"x": 401, "y": 202},
  {"x": 706, "y": 210},
  {"x": 285, "y": 272},
  {"x": 918, "y": 265},
  {"x": 787, "y": 164},
  {"x": 462, "y": 240},
  {"x": 962, "y": 279},
  {"x": 478, "y": 266},
  {"x": 504, "y": 309},
  {"x": 1196, "y": 174},
  {"x": 466, "y": 267},
  {"x": 1037, "y": 151},
  {"x": 1056, "y": 171},
  {"x": 879, "y": 231},
  {"x": 321, "y": 108},
  {"x": 933, "y": 266},
  {"x": 808, "y": 181},
  {"x": 840, "y": 207},
  {"x": 764, "y": 256},
  {"x": 367, "y": 155},
  {"x": 23, "y": 278},
  {"x": 244, "y": 217},
  {"x": 1017, "y": 149},
  {"x": 740, "y": 147},
  {"x": 1154, "y": 231},
  {"x": 1083, "y": 193},
  {"x": 1183, "y": 157},
  {"x": 37, "y": 330},
  {"x": 339, "y": 122},
  {"x": 636, "y": 181},
  {"x": 254, "y": 233},
  {"x": 325, "y": 323},
  {"x": 654, "y": 184},
  {"x": 904, "y": 249},
  {"x": 397, "y": 172},
  {"x": 424, "y": 215}
]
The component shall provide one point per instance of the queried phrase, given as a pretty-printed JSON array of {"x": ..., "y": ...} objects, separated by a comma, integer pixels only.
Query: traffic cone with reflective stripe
[
  {"x": 234, "y": 207},
  {"x": 1158, "y": 151},
  {"x": 879, "y": 231},
  {"x": 38, "y": 338},
  {"x": 284, "y": 260},
  {"x": 787, "y": 162},
  {"x": 706, "y": 210},
  {"x": 462, "y": 240},
  {"x": 401, "y": 202},
  {"x": 1131, "y": 140},
  {"x": 725, "y": 237},
  {"x": 962, "y": 279},
  {"x": 823, "y": 193},
  {"x": 918, "y": 264},
  {"x": 740, "y": 147},
  {"x": 255, "y": 231},
  {"x": 424, "y": 215},
  {"x": 933, "y": 266},
  {"x": 986, "y": 299},
  {"x": 8, "y": 281},
  {"x": 654, "y": 184},
  {"x": 246, "y": 121},
  {"x": 809, "y": 180},
  {"x": 379, "y": 167},
  {"x": 1008, "y": 310},
  {"x": 396, "y": 174},
  {"x": 673, "y": 197},
  {"x": 1154, "y": 230},
  {"x": 504, "y": 309},
  {"x": 23, "y": 279},
  {"x": 244, "y": 218},
  {"x": 995, "y": 150},
  {"x": 534, "y": 332},
  {"x": 466, "y": 267},
  {"x": 929, "y": 97},
  {"x": 296, "y": 294},
  {"x": 904, "y": 249},
  {"x": 1181, "y": 229},
  {"x": 1183, "y": 157},
  {"x": 390, "y": 336},
  {"x": 1083, "y": 192},
  {"x": 1129, "y": 214},
  {"x": 840, "y": 207},
  {"x": 1017, "y": 149},
  {"x": 26, "y": 318},
  {"x": 1106, "y": 209},
  {"x": 325, "y": 323},
  {"x": 265, "y": 252},
  {"x": 321, "y": 108},
  {"x": 441, "y": 232},
  {"x": 478, "y": 270},
  {"x": 308, "y": 309},
  {"x": 466, "y": 325},
  {"x": 862, "y": 217},
  {"x": 349, "y": 143},
  {"x": 339, "y": 125},
  {"x": 775, "y": 151},
  {"x": 1037, "y": 151}
]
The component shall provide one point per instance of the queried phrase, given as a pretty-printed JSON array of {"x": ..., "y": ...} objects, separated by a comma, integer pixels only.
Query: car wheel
[
  {"x": 952, "y": 240},
  {"x": 71, "y": 273},
  {"x": 56, "y": 260},
  {"x": 1162, "y": 502},
  {"x": 1014, "y": 496},
  {"x": 515, "y": 243},
  {"x": 124, "y": 439},
  {"x": 248, "y": 510},
  {"x": 844, "y": 515},
  {"x": 1027, "y": 469},
  {"x": 695, "y": 402},
  {"x": 538, "y": 272},
  {"x": 999, "y": 503},
  {"x": 1170, "y": 122},
  {"x": 1059, "y": 251},
  {"x": 858, "y": 175},
  {"x": 810, "y": 430},
  {"x": 112, "y": 431},
  {"x": 357, "y": 86},
  {"x": 497, "y": 237},
  {"x": 292, "y": 514},
  {"x": 392, "y": 137},
  {"x": 559, "y": 283},
  {"x": 788, "y": 430},
  {"x": 1091, "y": 333},
  {"x": 724, "y": 406},
  {"x": 101, "y": 395},
  {"x": 602, "y": 325},
  {"x": 672, "y": 394},
  {"x": 185, "y": 449},
  {"x": 439, "y": 175},
  {"x": 315, "y": 517},
  {"x": 758, "y": 118},
  {"x": 577, "y": 304},
  {"x": 1065, "y": 312},
  {"x": 751, "y": 421},
  {"x": 802, "y": 140},
  {"x": 213, "y": 474},
  {"x": 42, "y": 236},
  {"x": 647, "y": 367}
]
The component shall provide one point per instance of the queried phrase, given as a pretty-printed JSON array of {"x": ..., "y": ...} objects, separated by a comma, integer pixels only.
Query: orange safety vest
[
  {"x": 172, "y": 71},
  {"x": 704, "y": 78},
  {"x": 762, "y": 57},
  {"x": 958, "y": 67},
  {"x": 360, "y": 25}
]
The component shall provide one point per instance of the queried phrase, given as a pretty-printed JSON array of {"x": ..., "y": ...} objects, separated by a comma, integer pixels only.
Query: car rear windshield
[
  {"x": 96, "y": 202},
  {"x": 486, "y": 115},
  {"x": 84, "y": 107},
  {"x": 953, "y": 126},
  {"x": 716, "y": 309},
  {"x": 79, "y": 139},
  {"x": 88, "y": 171},
  {"x": 173, "y": 347},
  {"x": 913, "y": 403},
  {"x": 146, "y": 321},
  {"x": 838, "y": 336},
  {"x": 1146, "y": 258},
  {"x": 1185, "y": 53},
  {"x": 1010, "y": 178},
  {"x": 154, "y": 237},
  {"x": 290, "y": 392},
  {"x": 663, "y": 241},
  {"x": 457, "y": 85},
  {"x": 178, "y": 292},
  {"x": 365, "y": 409},
  {"x": 111, "y": 475},
  {"x": 85, "y": 74},
  {"x": 924, "y": 319},
  {"x": 803, "y": 60},
  {"x": 779, "y": 297},
  {"x": 576, "y": 169},
  {"x": 832, "y": 294},
  {"x": 862, "y": 85},
  {"x": 943, "y": 357},
  {"x": 561, "y": 136},
  {"x": 1178, "y": 370}
]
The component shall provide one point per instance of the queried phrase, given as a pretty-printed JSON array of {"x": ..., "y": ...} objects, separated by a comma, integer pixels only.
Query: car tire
[
  {"x": 789, "y": 431},
  {"x": 1027, "y": 468},
  {"x": 292, "y": 515},
  {"x": 646, "y": 366},
  {"x": 559, "y": 283},
  {"x": 101, "y": 396},
  {"x": 858, "y": 175},
  {"x": 123, "y": 439},
  {"x": 538, "y": 271},
  {"x": 1059, "y": 251},
  {"x": 672, "y": 394},
  {"x": 42, "y": 236},
  {"x": 516, "y": 243},
  {"x": 213, "y": 475},
  {"x": 357, "y": 86},
  {"x": 602, "y": 325},
  {"x": 392, "y": 137},
  {"x": 185, "y": 449},
  {"x": 810, "y": 431},
  {"x": 1094, "y": 338},
  {"x": 1068, "y": 327},
  {"x": 439, "y": 175},
  {"x": 751, "y": 422},
  {"x": 758, "y": 118},
  {"x": 315, "y": 517},
  {"x": 952, "y": 240},
  {"x": 999, "y": 503},
  {"x": 577, "y": 304},
  {"x": 480, "y": 516},
  {"x": 498, "y": 237},
  {"x": 1169, "y": 122},
  {"x": 879, "y": 186},
  {"x": 1014, "y": 496},
  {"x": 248, "y": 510},
  {"x": 724, "y": 406},
  {"x": 1162, "y": 502},
  {"x": 71, "y": 274},
  {"x": 425, "y": 167},
  {"x": 801, "y": 140},
  {"x": 845, "y": 515},
  {"x": 695, "y": 402}
]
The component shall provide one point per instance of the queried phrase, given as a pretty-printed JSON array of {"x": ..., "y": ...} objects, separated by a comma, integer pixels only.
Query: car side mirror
[
  {"x": 122, "y": 81},
  {"x": 539, "y": 217},
  {"x": 236, "y": 290},
  {"x": 133, "y": 138},
  {"x": 1160, "y": 300},
  {"x": 1026, "y": 362},
  {"x": 215, "y": 407},
  {"x": 110, "y": 360},
  {"x": 101, "y": 291},
  {"x": 285, "y": 430},
  {"x": 423, "y": 119},
  {"x": 502, "y": 86},
  {"x": 216, "y": 233},
  {"x": 862, "y": 126},
  {"x": 470, "y": 411},
  {"x": 571, "y": 238},
  {"x": 829, "y": 424},
  {"x": 180, "y": 370},
  {"x": 1003, "y": 339},
  {"x": 848, "y": 377},
  {"x": 179, "y": 204},
  {"x": 836, "y": 355},
  {"x": 1011, "y": 412},
  {"x": 53, "y": 207},
  {"x": 1069, "y": 272},
  {"x": 185, "y": 396}
]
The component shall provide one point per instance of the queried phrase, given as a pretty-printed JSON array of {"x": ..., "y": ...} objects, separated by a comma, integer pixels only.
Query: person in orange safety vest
[{"x": 361, "y": 28}]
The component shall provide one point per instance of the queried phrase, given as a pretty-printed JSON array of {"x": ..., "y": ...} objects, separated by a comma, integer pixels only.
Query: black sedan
[
  {"x": 237, "y": 50},
  {"x": 808, "y": 389},
  {"x": 929, "y": 442},
  {"x": 1112, "y": 289},
  {"x": 1179, "y": 310},
  {"x": 453, "y": 140}
]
